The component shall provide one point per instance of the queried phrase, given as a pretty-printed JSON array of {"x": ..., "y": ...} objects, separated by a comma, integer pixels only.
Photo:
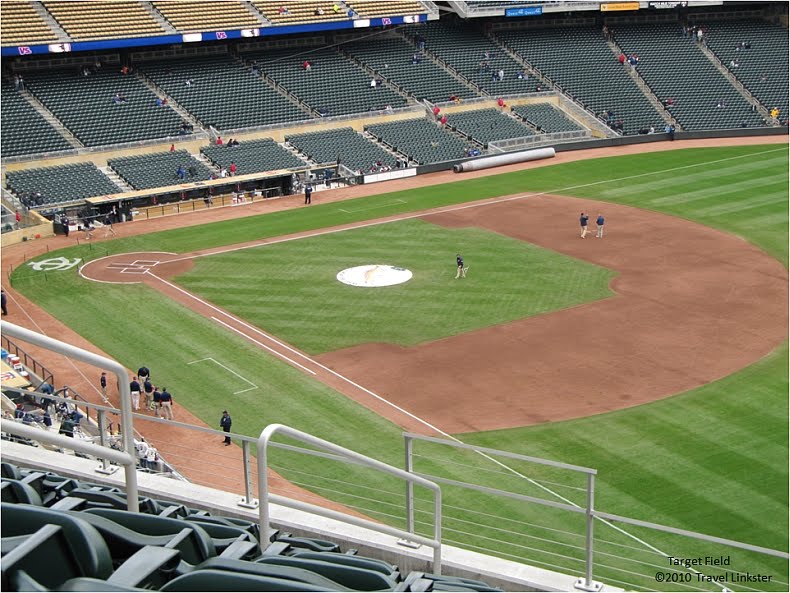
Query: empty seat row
[
  {"x": 423, "y": 141},
  {"x": 487, "y": 125},
  {"x": 61, "y": 184},
  {"x": 344, "y": 145},
  {"x": 546, "y": 118},
  {"x": 160, "y": 169},
  {"x": 253, "y": 156}
]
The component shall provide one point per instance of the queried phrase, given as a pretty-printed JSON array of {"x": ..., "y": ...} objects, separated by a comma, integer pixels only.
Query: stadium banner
[
  {"x": 27, "y": 50},
  {"x": 575, "y": 6},
  {"x": 665, "y": 5},
  {"x": 618, "y": 6},
  {"x": 525, "y": 11},
  {"x": 388, "y": 175}
]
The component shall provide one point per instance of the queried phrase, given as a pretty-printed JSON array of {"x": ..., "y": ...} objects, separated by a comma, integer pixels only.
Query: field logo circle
[{"x": 374, "y": 275}]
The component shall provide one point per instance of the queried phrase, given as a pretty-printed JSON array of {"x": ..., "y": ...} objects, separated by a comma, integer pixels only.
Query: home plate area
[{"x": 138, "y": 266}]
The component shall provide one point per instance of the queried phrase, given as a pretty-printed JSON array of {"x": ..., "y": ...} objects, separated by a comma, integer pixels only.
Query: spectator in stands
[
  {"x": 734, "y": 63},
  {"x": 670, "y": 129},
  {"x": 436, "y": 111},
  {"x": 232, "y": 169},
  {"x": 159, "y": 102},
  {"x": 443, "y": 121},
  {"x": 351, "y": 14},
  {"x": 747, "y": 45},
  {"x": 192, "y": 171},
  {"x": 501, "y": 103},
  {"x": 18, "y": 218},
  {"x": 256, "y": 70},
  {"x": 283, "y": 10},
  {"x": 721, "y": 104},
  {"x": 319, "y": 11},
  {"x": 621, "y": 58},
  {"x": 19, "y": 82},
  {"x": 700, "y": 35},
  {"x": 651, "y": 130},
  {"x": 188, "y": 82},
  {"x": 86, "y": 71},
  {"x": 181, "y": 173},
  {"x": 501, "y": 74},
  {"x": 775, "y": 113},
  {"x": 307, "y": 66},
  {"x": 763, "y": 77},
  {"x": 373, "y": 83},
  {"x": 234, "y": 143},
  {"x": 223, "y": 172},
  {"x": 520, "y": 75},
  {"x": 172, "y": 148},
  {"x": 125, "y": 70},
  {"x": 219, "y": 141},
  {"x": 119, "y": 98}
]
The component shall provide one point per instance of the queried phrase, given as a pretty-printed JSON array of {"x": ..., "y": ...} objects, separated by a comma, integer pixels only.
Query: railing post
[
  {"x": 587, "y": 583},
  {"x": 409, "y": 443},
  {"x": 248, "y": 502},
  {"x": 104, "y": 468}
]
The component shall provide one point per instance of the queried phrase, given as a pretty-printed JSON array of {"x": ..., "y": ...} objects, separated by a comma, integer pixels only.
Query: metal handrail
[
  {"x": 263, "y": 491},
  {"x": 127, "y": 428},
  {"x": 38, "y": 368}
]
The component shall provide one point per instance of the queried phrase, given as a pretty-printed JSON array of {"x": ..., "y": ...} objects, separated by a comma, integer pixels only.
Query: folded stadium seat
[
  {"x": 309, "y": 543},
  {"x": 49, "y": 557},
  {"x": 113, "y": 500},
  {"x": 216, "y": 580},
  {"x": 289, "y": 573},
  {"x": 250, "y": 526},
  {"x": 9, "y": 470},
  {"x": 352, "y": 577},
  {"x": 16, "y": 491},
  {"x": 389, "y": 570}
]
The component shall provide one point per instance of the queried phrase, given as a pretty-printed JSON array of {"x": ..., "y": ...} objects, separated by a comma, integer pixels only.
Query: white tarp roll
[{"x": 505, "y": 159}]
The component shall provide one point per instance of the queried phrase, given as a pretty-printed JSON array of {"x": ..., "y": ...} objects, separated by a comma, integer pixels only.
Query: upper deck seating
[
  {"x": 334, "y": 85},
  {"x": 674, "y": 67},
  {"x": 84, "y": 104},
  {"x": 473, "y": 55},
  {"x": 21, "y": 24},
  {"x": 487, "y": 125},
  {"x": 374, "y": 8},
  {"x": 24, "y": 130},
  {"x": 344, "y": 144},
  {"x": 392, "y": 59},
  {"x": 144, "y": 171},
  {"x": 763, "y": 68},
  {"x": 103, "y": 19},
  {"x": 546, "y": 118},
  {"x": 281, "y": 12},
  {"x": 420, "y": 139},
  {"x": 206, "y": 16},
  {"x": 61, "y": 184},
  {"x": 253, "y": 156},
  {"x": 222, "y": 92},
  {"x": 579, "y": 60}
]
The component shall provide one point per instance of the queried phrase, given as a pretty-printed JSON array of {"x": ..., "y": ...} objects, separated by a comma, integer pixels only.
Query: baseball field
[{"x": 657, "y": 355}]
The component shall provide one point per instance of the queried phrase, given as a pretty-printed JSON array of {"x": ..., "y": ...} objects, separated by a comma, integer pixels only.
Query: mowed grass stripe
[
  {"x": 687, "y": 179},
  {"x": 297, "y": 297},
  {"x": 727, "y": 185}
]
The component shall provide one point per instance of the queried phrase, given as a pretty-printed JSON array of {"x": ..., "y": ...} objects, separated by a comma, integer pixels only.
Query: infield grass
[
  {"x": 713, "y": 460},
  {"x": 290, "y": 288}
]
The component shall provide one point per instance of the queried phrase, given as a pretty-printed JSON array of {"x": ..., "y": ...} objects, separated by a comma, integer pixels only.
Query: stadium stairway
[
  {"x": 442, "y": 64},
  {"x": 50, "y": 20},
  {"x": 291, "y": 98},
  {"x": 751, "y": 99},
  {"x": 163, "y": 22},
  {"x": 197, "y": 126},
  {"x": 115, "y": 178},
  {"x": 374, "y": 74},
  {"x": 646, "y": 90}
]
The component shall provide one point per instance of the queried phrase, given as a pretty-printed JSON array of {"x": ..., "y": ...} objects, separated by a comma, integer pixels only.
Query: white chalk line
[{"x": 254, "y": 386}]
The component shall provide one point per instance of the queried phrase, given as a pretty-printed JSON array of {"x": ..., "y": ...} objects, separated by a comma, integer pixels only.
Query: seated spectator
[
  {"x": 319, "y": 11},
  {"x": 501, "y": 74},
  {"x": 351, "y": 14},
  {"x": 436, "y": 111},
  {"x": 172, "y": 148},
  {"x": 621, "y": 58},
  {"x": 192, "y": 170},
  {"x": 775, "y": 112},
  {"x": 232, "y": 169},
  {"x": 119, "y": 98},
  {"x": 159, "y": 102},
  {"x": 443, "y": 121},
  {"x": 125, "y": 70},
  {"x": 747, "y": 45},
  {"x": 234, "y": 143},
  {"x": 520, "y": 75},
  {"x": 720, "y": 104},
  {"x": 181, "y": 173},
  {"x": 734, "y": 63},
  {"x": 188, "y": 82},
  {"x": 373, "y": 83},
  {"x": 219, "y": 141},
  {"x": 283, "y": 10},
  {"x": 538, "y": 89},
  {"x": 256, "y": 70},
  {"x": 306, "y": 65},
  {"x": 501, "y": 103},
  {"x": 223, "y": 172}
]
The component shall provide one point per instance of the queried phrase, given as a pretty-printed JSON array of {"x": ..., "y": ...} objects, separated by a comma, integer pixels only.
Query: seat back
[
  {"x": 93, "y": 559},
  {"x": 349, "y": 576},
  {"x": 14, "y": 491},
  {"x": 217, "y": 580}
]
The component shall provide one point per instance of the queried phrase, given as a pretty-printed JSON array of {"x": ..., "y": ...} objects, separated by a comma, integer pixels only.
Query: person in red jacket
[
  {"x": 232, "y": 169},
  {"x": 621, "y": 59},
  {"x": 443, "y": 121}
]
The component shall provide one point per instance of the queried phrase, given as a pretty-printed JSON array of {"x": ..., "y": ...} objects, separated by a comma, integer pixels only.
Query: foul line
[{"x": 254, "y": 386}]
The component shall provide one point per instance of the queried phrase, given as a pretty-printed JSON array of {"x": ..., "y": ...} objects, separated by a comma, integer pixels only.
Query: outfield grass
[
  {"x": 713, "y": 460},
  {"x": 290, "y": 288}
]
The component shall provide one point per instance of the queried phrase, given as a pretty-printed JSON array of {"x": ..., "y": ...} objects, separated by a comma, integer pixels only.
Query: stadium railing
[
  {"x": 28, "y": 360},
  {"x": 511, "y": 144}
]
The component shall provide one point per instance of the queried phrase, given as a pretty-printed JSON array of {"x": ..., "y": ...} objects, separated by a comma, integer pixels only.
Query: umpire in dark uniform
[
  {"x": 308, "y": 193},
  {"x": 225, "y": 422}
]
